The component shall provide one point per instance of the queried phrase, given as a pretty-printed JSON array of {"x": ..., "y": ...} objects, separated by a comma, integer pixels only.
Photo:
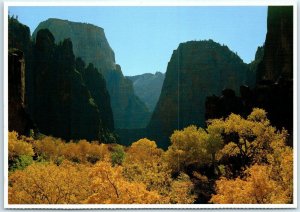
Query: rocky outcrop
[
  {"x": 19, "y": 38},
  {"x": 278, "y": 51},
  {"x": 96, "y": 85},
  {"x": 197, "y": 69},
  {"x": 227, "y": 103},
  {"x": 90, "y": 44},
  {"x": 18, "y": 118},
  {"x": 63, "y": 106},
  {"x": 148, "y": 87},
  {"x": 275, "y": 98},
  {"x": 253, "y": 66},
  {"x": 62, "y": 101}
]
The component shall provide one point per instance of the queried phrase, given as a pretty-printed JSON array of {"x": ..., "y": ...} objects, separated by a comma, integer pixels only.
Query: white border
[{"x": 144, "y": 4}]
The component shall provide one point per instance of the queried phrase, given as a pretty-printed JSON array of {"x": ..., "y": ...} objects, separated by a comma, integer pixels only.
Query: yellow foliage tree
[
  {"x": 43, "y": 183},
  {"x": 49, "y": 148},
  {"x": 269, "y": 179},
  {"x": 54, "y": 149},
  {"x": 110, "y": 186},
  {"x": 180, "y": 192},
  {"x": 193, "y": 146},
  {"x": 17, "y": 146},
  {"x": 259, "y": 187},
  {"x": 250, "y": 139},
  {"x": 145, "y": 163}
]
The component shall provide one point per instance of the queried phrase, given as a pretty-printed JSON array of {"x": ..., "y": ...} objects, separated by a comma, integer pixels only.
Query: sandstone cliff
[
  {"x": 197, "y": 69},
  {"x": 62, "y": 101},
  {"x": 63, "y": 106},
  {"x": 277, "y": 61},
  {"x": 273, "y": 65},
  {"x": 18, "y": 118},
  {"x": 96, "y": 85},
  {"x": 90, "y": 44}
]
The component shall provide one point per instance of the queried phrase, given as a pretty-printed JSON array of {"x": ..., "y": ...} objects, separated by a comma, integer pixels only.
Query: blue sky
[{"x": 143, "y": 38}]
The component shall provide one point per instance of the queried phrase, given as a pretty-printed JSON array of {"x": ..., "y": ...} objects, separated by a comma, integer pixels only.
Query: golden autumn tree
[
  {"x": 84, "y": 151},
  {"x": 249, "y": 140},
  {"x": 268, "y": 177},
  {"x": 47, "y": 183},
  {"x": 187, "y": 148},
  {"x": 56, "y": 150},
  {"x": 180, "y": 192},
  {"x": 193, "y": 146},
  {"x": 259, "y": 187},
  {"x": 145, "y": 163},
  {"x": 17, "y": 146},
  {"x": 111, "y": 187},
  {"x": 20, "y": 151},
  {"x": 49, "y": 148}
]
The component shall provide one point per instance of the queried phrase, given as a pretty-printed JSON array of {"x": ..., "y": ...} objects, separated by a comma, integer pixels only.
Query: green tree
[{"x": 117, "y": 155}]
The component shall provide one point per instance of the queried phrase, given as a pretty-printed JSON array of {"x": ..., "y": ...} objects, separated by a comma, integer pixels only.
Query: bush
[{"x": 21, "y": 162}]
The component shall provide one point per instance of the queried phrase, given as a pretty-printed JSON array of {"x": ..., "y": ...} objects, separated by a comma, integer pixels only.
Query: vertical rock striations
[
  {"x": 278, "y": 57},
  {"x": 197, "y": 69},
  {"x": 62, "y": 99},
  {"x": 96, "y": 84},
  {"x": 18, "y": 119},
  {"x": 273, "y": 65},
  {"x": 63, "y": 106}
]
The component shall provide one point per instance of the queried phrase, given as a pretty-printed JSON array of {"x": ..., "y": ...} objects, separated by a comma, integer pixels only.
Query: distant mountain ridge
[
  {"x": 90, "y": 43},
  {"x": 148, "y": 87}
]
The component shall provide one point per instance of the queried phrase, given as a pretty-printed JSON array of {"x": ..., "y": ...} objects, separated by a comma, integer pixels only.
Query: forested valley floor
[{"x": 232, "y": 160}]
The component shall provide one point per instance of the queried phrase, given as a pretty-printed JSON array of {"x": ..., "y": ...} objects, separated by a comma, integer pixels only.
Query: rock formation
[
  {"x": 96, "y": 85},
  {"x": 62, "y": 101},
  {"x": 273, "y": 90},
  {"x": 227, "y": 103},
  {"x": 90, "y": 44},
  {"x": 63, "y": 106},
  {"x": 253, "y": 66},
  {"x": 197, "y": 69},
  {"x": 278, "y": 54},
  {"x": 148, "y": 87},
  {"x": 18, "y": 118}
]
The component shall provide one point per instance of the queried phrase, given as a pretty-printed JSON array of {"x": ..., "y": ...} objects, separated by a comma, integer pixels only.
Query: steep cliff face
[
  {"x": 19, "y": 38},
  {"x": 197, "y": 69},
  {"x": 90, "y": 44},
  {"x": 130, "y": 112},
  {"x": 273, "y": 90},
  {"x": 18, "y": 118},
  {"x": 62, "y": 101},
  {"x": 148, "y": 87},
  {"x": 89, "y": 41},
  {"x": 278, "y": 57},
  {"x": 251, "y": 78},
  {"x": 63, "y": 106}
]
